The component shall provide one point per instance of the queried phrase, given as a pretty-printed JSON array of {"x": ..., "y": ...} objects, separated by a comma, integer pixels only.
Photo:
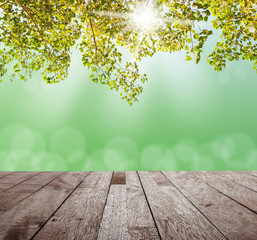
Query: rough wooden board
[
  {"x": 27, "y": 217},
  {"x": 3, "y": 174},
  {"x": 43, "y": 178},
  {"x": 17, "y": 177},
  {"x": 239, "y": 193},
  {"x": 68, "y": 180},
  {"x": 140, "y": 222},
  {"x": 96, "y": 180},
  {"x": 80, "y": 216},
  {"x": 119, "y": 178},
  {"x": 126, "y": 214},
  {"x": 114, "y": 224},
  {"x": 5, "y": 186},
  {"x": 14, "y": 195},
  {"x": 242, "y": 178},
  {"x": 160, "y": 179},
  {"x": 233, "y": 220},
  {"x": 253, "y": 173},
  {"x": 175, "y": 216}
]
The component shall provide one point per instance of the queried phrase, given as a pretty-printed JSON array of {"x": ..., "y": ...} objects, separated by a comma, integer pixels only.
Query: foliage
[{"x": 40, "y": 35}]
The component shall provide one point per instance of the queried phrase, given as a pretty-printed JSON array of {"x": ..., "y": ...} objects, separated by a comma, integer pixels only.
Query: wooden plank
[
  {"x": 175, "y": 216},
  {"x": 232, "y": 219},
  {"x": 14, "y": 195},
  {"x": 126, "y": 214},
  {"x": 253, "y": 173},
  {"x": 5, "y": 186},
  {"x": 17, "y": 177},
  {"x": 68, "y": 180},
  {"x": 242, "y": 178},
  {"x": 80, "y": 216},
  {"x": 239, "y": 193},
  {"x": 114, "y": 224},
  {"x": 3, "y": 174},
  {"x": 43, "y": 178},
  {"x": 119, "y": 178},
  {"x": 26, "y": 218}
]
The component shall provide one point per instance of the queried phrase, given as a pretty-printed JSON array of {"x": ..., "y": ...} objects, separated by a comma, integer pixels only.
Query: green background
[{"x": 189, "y": 117}]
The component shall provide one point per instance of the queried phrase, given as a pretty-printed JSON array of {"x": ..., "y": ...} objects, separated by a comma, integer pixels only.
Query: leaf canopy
[{"x": 40, "y": 35}]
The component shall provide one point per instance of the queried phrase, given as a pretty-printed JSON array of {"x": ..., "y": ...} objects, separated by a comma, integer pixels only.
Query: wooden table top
[{"x": 128, "y": 205}]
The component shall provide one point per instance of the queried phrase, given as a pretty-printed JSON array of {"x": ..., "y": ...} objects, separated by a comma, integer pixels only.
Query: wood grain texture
[
  {"x": 175, "y": 216},
  {"x": 103, "y": 205},
  {"x": 17, "y": 193},
  {"x": 5, "y": 186},
  {"x": 239, "y": 193},
  {"x": 126, "y": 214},
  {"x": 233, "y": 220},
  {"x": 114, "y": 224},
  {"x": 242, "y": 178},
  {"x": 3, "y": 174},
  {"x": 253, "y": 173},
  {"x": 43, "y": 178},
  {"x": 17, "y": 177},
  {"x": 27, "y": 217},
  {"x": 80, "y": 216}
]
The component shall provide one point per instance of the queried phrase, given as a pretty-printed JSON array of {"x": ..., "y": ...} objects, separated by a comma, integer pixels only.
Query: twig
[
  {"x": 25, "y": 9},
  {"x": 91, "y": 25},
  {"x": 11, "y": 35}
]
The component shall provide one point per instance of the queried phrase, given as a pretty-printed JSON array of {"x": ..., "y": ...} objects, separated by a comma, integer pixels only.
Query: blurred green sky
[{"x": 188, "y": 118}]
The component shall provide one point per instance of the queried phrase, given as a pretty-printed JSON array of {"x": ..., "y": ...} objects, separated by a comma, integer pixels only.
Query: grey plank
[
  {"x": 80, "y": 216},
  {"x": 175, "y": 216},
  {"x": 237, "y": 192},
  {"x": 232, "y": 219},
  {"x": 126, "y": 214},
  {"x": 242, "y": 178},
  {"x": 26, "y": 218}
]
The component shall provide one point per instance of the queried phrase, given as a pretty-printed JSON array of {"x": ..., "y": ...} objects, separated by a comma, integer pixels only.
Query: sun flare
[{"x": 144, "y": 18}]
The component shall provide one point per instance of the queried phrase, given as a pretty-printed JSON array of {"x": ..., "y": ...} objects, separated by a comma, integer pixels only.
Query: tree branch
[
  {"x": 91, "y": 25},
  {"x": 33, "y": 20},
  {"x": 11, "y": 35},
  {"x": 3, "y": 4}
]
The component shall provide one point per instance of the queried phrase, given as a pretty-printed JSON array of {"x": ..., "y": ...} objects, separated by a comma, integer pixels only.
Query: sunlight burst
[{"x": 144, "y": 18}]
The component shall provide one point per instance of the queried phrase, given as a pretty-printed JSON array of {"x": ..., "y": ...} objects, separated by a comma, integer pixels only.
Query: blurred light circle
[
  {"x": 151, "y": 156},
  {"x": 11, "y": 162},
  {"x": 184, "y": 153},
  {"x": 22, "y": 143},
  {"x": 77, "y": 156},
  {"x": 223, "y": 147},
  {"x": 243, "y": 145},
  {"x": 125, "y": 148},
  {"x": 168, "y": 161},
  {"x": 47, "y": 161},
  {"x": 94, "y": 161},
  {"x": 251, "y": 160},
  {"x": 66, "y": 141},
  {"x": 204, "y": 159},
  {"x": 7, "y": 133},
  {"x": 124, "y": 144},
  {"x": 114, "y": 160}
]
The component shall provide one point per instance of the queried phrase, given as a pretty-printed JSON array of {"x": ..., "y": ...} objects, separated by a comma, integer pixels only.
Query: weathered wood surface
[{"x": 128, "y": 205}]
